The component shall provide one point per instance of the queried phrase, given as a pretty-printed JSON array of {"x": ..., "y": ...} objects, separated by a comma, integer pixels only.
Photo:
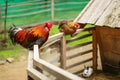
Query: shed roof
[{"x": 101, "y": 13}]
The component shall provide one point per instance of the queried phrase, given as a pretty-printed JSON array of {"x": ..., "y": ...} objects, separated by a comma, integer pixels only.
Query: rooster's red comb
[{"x": 48, "y": 24}]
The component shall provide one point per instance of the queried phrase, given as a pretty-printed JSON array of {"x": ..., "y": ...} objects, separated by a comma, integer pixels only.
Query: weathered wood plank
[
  {"x": 81, "y": 30},
  {"x": 94, "y": 53},
  {"x": 102, "y": 19},
  {"x": 52, "y": 9},
  {"x": 56, "y": 71},
  {"x": 79, "y": 45},
  {"x": 30, "y": 59},
  {"x": 33, "y": 73},
  {"x": 78, "y": 38},
  {"x": 54, "y": 37},
  {"x": 101, "y": 7},
  {"x": 36, "y": 75},
  {"x": 63, "y": 52},
  {"x": 36, "y": 52},
  {"x": 80, "y": 54},
  {"x": 79, "y": 63},
  {"x": 49, "y": 43},
  {"x": 83, "y": 11},
  {"x": 0, "y": 22},
  {"x": 88, "y": 13}
]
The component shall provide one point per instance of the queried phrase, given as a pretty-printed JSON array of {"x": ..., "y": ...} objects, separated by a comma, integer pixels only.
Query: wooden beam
[
  {"x": 36, "y": 52},
  {"x": 63, "y": 52},
  {"x": 79, "y": 63},
  {"x": 0, "y": 21},
  {"x": 80, "y": 54},
  {"x": 52, "y": 10},
  {"x": 33, "y": 73},
  {"x": 36, "y": 75},
  {"x": 94, "y": 51},
  {"x": 56, "y": 71},
  {"x": 100, "y": 8},
  {"x": 83, "y": 11},
  {"x": 54, "y": 37},
  {"x": 108, "y": 11}
]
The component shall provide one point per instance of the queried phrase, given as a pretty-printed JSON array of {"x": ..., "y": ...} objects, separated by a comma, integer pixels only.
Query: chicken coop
[{"x": 57, "y": 59}]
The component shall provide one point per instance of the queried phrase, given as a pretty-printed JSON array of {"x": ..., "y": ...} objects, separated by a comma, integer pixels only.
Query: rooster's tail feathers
[{"x": 13, "y": 29}]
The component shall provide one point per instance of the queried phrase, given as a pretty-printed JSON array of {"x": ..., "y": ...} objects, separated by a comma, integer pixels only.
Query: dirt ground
[{"x": 15, "y": 70}]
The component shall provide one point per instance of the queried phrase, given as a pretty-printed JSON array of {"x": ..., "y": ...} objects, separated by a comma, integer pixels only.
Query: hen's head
[
  {"x": 73, "y": 24},
  {"x": 48, "y": 25}
]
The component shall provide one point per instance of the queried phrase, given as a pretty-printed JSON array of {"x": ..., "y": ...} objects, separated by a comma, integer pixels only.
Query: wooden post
[
  {"x": 0, "y": 21},
  {"x": 94, "y": 51},
  {"x": 30, "y": 64},
  {"x": 37, "y": 56},
  {"x": 52, "y": 10},
  {"x": 63, "y": 53},
  {"x": 5, "y": 18}
]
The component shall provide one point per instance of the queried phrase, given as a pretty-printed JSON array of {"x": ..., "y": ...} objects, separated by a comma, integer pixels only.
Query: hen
[
  {"x": 68, "y": 27},
  {"x": 30, "y": 36}
]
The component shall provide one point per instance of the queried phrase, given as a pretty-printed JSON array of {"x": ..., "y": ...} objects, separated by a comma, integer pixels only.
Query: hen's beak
[{"x": 77, "y": 26}]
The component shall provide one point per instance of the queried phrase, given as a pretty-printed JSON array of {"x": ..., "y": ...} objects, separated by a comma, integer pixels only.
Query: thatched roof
[{"x": 101, "y": 12}]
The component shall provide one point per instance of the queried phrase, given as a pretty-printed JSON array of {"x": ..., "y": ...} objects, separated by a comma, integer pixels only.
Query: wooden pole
[
  {"x": 52, "y": 10},
  {"x": 63, "y": 52},
  {"x": 5, "y": 18},
  {"x": 94, "y": 50},
  {"x": 0, "y": 21}
]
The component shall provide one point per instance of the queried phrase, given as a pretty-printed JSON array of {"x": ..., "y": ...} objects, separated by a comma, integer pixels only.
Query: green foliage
[{"x": 54, "y": 30}]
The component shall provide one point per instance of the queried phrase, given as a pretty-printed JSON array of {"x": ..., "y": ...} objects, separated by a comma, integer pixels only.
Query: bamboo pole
[
  {"x": 5, "y": 19},
  {"x": 63, "y": 52},
  {"x": 52, "y": 10},
  {"x": 0, "y": 21}
]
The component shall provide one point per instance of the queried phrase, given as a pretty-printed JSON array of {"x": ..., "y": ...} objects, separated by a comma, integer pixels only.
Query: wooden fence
[
  {"x": 69, "y": 58},
  {"x": 24, "y": 8},
  {"x": 39, "y": 11}
]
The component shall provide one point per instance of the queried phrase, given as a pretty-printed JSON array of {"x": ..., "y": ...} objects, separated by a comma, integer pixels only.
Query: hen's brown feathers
[{"x": 68, "y": 27}]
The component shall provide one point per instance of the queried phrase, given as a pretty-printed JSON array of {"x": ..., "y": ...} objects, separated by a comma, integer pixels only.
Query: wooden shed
[
  {"x": 68, "y": 63},
  {"x": 105, "y": 15}
]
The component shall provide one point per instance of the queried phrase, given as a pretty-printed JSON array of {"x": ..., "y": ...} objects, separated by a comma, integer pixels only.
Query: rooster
[
  {"x": 28, "y": 37},
  {"x": 68, "y": 27}
]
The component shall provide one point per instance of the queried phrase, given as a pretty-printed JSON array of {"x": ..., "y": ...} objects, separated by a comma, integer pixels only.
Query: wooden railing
[
  {"x": 59, "y": 73},
  {"x": 62, "y": 71}
]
